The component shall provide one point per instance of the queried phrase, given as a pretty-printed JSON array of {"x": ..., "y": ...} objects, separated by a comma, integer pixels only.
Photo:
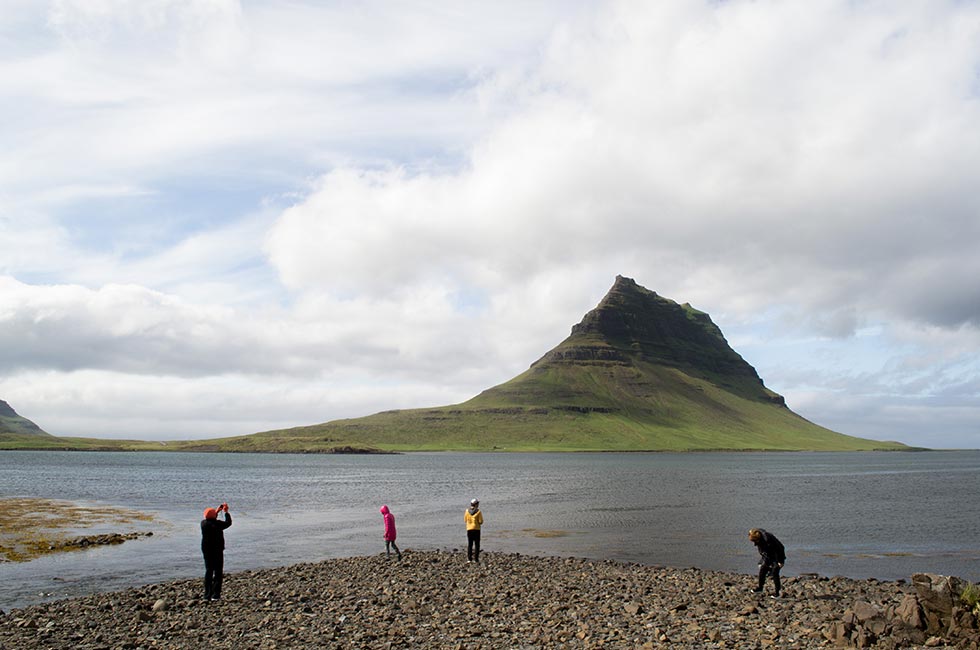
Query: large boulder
[{"x": 943, "y": 612}]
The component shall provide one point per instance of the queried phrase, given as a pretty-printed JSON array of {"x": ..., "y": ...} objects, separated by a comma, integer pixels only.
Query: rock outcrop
[
  {"x": 931, "y": 614},
  {"x": 634, "y": 322}
]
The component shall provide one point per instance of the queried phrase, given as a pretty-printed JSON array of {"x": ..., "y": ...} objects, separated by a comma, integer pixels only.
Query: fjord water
[{"x": 883, "y": 515}]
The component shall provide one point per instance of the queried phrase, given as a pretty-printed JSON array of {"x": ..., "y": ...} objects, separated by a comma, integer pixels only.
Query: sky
[{"x": 222, "y": 217}]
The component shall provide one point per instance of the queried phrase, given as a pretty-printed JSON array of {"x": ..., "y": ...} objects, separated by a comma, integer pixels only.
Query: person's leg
[
  {"x": 218, "y": 562},
  {"x": 476, "y": 553},
  {"x": 763, "y": 570},
  {"x": 397, "y": 551},
  {"x": 208, "y": 577},
  {"x": 469, "y": 545},
  {"x": 388, "y": 547},
  {"x": 775, "y": 577}
]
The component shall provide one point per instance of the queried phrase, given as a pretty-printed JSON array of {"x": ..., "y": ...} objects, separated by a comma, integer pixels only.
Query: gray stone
[
  {"x": 937, "y": 593},
  {"x": 909, "y": 612},
  {"x": 864, "y": 611}
]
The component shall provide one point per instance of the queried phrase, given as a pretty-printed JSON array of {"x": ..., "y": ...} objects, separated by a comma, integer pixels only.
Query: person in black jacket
[
  {"x": 773, "y": 557},
  {"x": 213, "y": 547}
]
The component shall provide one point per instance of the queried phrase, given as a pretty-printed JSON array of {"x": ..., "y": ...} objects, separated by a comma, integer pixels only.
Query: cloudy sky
[{"x": 220, "y": 217}]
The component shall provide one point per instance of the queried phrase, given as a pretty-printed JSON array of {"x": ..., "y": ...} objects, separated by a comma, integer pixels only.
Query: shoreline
[
  {"x": 435, "y": 599},
  {"x": 187, "y": 446}
]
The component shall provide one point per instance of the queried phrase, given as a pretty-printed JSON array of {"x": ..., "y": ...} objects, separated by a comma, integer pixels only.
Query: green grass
[
  {"x": 970, "y": 596},
  {"x": 14, "y": 441}
]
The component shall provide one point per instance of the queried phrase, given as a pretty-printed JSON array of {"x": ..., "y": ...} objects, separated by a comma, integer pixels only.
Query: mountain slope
[
  {"x": 640, "y": 372},
  {"x": 12, "y": 423}
]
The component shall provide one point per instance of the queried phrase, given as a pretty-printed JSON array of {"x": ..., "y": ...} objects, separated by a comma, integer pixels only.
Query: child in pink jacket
[{"x": 390, "y": 533}]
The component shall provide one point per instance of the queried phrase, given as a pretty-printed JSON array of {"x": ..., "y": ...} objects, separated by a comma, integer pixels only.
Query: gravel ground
[{"x": 435, "y": 599}]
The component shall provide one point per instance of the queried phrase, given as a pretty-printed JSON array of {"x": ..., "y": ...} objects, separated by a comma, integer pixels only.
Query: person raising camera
[{"x": 213, "y": 547}]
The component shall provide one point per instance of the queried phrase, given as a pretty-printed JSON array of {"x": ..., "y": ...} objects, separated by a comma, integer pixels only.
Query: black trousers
[
  {"x": 390, "y": 544},
  {"x": 473, "y": 545},
  {"x": 769, "y": 569},
  {"x": 214, "y": 563}
]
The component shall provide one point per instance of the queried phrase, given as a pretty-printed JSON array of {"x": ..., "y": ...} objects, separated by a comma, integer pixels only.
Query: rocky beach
[{"x": 435, "y": 599}]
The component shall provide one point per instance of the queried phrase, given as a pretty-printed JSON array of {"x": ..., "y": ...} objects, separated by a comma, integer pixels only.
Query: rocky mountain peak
[
  {"x": 634, "y": 324},
  {"x": 6, "y": 410}
]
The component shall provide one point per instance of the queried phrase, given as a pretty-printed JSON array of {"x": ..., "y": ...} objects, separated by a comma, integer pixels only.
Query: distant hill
[
  {"x": 11, "y": 422},
  {"x": 18, "y": 432},
  {"x": 640, "y": 372}
]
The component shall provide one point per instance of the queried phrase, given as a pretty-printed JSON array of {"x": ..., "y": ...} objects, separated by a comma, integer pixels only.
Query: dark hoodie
[
  {"x": 213, "y": 535},
  {"x": 770, "y": 548}
]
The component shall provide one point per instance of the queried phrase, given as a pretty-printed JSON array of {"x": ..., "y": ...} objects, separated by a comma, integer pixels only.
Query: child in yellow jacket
[{"x": 474, "y": 519}]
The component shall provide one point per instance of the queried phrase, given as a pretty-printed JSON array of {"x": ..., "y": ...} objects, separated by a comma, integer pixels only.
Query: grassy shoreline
[{"x": 277, "y": 444}]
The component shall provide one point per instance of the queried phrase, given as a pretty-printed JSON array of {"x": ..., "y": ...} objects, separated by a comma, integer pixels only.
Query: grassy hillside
[
  {"x": 639, "y": 373},
  {"x": 576, "y": 409}
]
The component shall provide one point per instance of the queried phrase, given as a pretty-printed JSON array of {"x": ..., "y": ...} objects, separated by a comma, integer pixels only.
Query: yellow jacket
[{"x": 473, "y": 520}]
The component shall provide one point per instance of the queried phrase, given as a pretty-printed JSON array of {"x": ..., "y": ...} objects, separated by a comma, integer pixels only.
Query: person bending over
[{"x": 773, "y": 556}]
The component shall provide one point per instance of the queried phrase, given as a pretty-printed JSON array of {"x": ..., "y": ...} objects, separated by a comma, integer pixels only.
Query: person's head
[
  {"x": 755, "y": 535},
  {"x": 211, "y": 513},
  {"x": 474, "y": 503},
  {"x": 384, "y": 510}
]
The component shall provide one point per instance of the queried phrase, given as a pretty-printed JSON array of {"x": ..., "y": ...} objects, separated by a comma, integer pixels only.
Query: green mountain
[
  {"x": 640, "y": 372},
  {"x": 11, "y": 422}
]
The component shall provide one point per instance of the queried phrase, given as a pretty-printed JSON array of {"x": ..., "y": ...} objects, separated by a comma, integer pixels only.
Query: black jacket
[
  {"x": 212, "y": 533},
  {"x": 771, "y": 549}
]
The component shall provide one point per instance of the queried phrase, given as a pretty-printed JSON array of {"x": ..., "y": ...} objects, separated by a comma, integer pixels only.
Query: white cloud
[
  {"x": 105, "y": 404},
  {"x": 667, "y": 132},
  {"x": 448, "y": 189}
]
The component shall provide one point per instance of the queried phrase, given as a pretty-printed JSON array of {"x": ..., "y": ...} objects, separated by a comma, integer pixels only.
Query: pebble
[{"x": 435, "y": 599}]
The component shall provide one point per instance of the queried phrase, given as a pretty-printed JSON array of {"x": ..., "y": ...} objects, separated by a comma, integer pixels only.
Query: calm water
[{"x": 884, "y": 515}]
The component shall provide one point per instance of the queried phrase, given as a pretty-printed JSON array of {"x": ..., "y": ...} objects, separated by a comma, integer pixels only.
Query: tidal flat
[{"x": 30, "y": 528}]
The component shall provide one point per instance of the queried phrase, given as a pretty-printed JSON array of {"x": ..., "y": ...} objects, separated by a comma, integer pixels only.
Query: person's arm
[{"x": 227, "y": 519}]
